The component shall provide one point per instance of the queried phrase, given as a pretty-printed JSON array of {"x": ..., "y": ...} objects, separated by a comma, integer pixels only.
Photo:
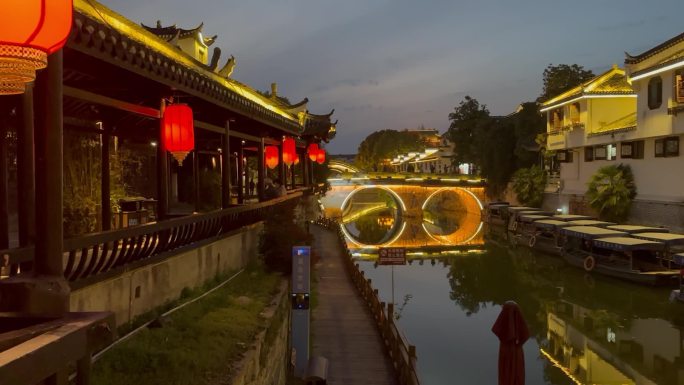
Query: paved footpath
[{"x": 343, "y": 329}]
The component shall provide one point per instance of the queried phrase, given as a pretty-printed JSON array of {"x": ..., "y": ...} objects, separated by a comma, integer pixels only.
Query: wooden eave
[{"x": 99, "y": 39}]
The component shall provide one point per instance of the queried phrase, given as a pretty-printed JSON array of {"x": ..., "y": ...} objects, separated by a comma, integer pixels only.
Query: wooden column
[
  {"x": 4, "y": 187},
  {"x": 225, "y": 168},
  {"x": 162, "y": 169},
  {"x": 241, "y": 172},
  {"x": 261, "y": 172},
  {"x": 196, "y": 179},
  {"x": 282, "y": 168},
  {"x": 49, "y": 178},
  {"x": 106, "y": 188},
  {"x": 305, "y": 169},
  {"x": 26, "y": 171}
]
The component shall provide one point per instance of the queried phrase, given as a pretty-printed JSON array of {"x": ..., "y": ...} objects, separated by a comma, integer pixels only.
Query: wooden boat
[
  {"x": 674, "y": 244},
  {"x": 513, "y": 214},
  {"x": 590, "y": 222},
  {"x": 612, "y": 253},
  {"x": 495, "y": 212},
  {"x": 635, "y": 229},
  {"x": 541, "y": 234},
  {"x": 570, "y": 217}
]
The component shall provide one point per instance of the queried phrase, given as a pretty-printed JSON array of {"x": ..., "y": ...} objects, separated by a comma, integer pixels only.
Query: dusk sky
[{"x": 401, "y": 64}]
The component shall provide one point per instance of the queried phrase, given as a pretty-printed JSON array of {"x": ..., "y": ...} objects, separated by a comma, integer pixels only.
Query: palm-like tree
[
  {"x": 611, "y": 191},
  {"x": 529, "y": 184}
]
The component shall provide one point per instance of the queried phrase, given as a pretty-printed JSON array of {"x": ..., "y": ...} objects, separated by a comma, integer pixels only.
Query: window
[
  {"x": 672, "y": 146},
  {"x": 611, "y": 152},
  {"x": 557, "y": 119},
  {"x": 575, "y": 113},
  {"x": 564, "y": 156},
  {"x": 600, "y": 152},
  {"x": 679, "y": 87},
  {"x": 588, "y": 154},
  {"x": 655, "y": 92},
  {"x": 632, "y": 150},
  {"x": 667, "y": 147}
]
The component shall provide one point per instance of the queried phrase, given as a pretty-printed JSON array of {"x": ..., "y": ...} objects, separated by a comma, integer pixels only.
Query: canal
[{"x": 585, "y": 329}]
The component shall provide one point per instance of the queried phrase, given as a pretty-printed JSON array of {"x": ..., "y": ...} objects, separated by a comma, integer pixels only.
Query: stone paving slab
[{"x": 343, "y": 329}]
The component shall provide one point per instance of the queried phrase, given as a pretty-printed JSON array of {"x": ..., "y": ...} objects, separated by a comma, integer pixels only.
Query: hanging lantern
[
  {"x": 296, "y": 161},
  {"x": 178, "y": 131},
  {"x": 320, "y": 156},
  {"x": 31, "y": 30},
  {"x": 289, "y": 151},
  {"x": 271, "y": 155},
  {"x": 312, "y": 151}
]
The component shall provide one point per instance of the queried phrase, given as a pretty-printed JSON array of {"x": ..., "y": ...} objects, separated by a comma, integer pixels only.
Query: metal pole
[
  {"x": 106, "y": 188},
  {"x": 225, "y": 168}
]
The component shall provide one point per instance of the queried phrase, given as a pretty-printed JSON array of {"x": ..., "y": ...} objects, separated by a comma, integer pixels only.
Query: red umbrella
[{"x": 512, "y": 331}]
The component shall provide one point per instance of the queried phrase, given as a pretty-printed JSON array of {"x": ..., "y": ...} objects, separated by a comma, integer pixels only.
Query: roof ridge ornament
[{"x": 228, "y": 68}]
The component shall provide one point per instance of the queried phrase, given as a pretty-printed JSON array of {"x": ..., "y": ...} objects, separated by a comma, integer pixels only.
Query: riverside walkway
[{"x": 343, "y": 328}]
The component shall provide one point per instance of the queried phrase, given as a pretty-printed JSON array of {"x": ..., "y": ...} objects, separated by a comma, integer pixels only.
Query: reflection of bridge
[{"x": 414, "y": 231}]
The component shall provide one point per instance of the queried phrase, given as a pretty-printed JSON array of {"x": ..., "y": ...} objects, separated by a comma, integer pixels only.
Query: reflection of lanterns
[
  {"x": 271, "y": 154},
  {"x": 296, "y": 161},
  {"x": 289, "y": 151},
  {"x": 178, "y": 130},
  {"x": 31, "y": 30},
  {"x": 320, "y": 156},
  {"x": 313, "y": 151}
]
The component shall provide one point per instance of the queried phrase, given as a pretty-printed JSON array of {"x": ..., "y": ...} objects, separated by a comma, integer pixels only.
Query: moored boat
[
  {"x": 636, "y": 229},
  {"x": 591, "y": 222},
  {"x": 542, "y": 234},
  {"x": 570, "y": 217},
  {"x": 495, "y": 213},
  {"x": 612, "y": 253}
]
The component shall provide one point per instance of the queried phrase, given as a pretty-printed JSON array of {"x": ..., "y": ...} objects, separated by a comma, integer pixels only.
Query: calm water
[{"x": 585, "y": 329}]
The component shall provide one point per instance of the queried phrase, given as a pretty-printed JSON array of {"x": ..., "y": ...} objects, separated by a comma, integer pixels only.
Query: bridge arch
[
  {"x": 414, "y": 199},
  {"x": 342, "y": 167}
]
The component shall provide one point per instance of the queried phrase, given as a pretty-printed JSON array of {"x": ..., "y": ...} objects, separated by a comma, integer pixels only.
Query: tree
[
  {"x": 529, "y": 185},
  {"x": 465, "y": 120},
  {"x": 611, "y": 191},
  {"x": 562, "y": 77},
  {"x": 494, "y": 141},
  {"x": 385, "y": 144},
  {"x": 529, "y": 123}
]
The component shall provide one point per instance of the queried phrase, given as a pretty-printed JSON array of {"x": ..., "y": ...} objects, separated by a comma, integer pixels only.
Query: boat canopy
[
  {"x": 590, "y": 222},
  {"x": 591, "y": 232},
  {"x": 633, "y": 229},
  {"x": 532, "y": 217},
  {"x": 550, "y": 223},
  {"x": 570, "y": 217},
  {"x": 521, "y": 208},
  {"x": 627, "y": 244},
  {"x": 498, "y": 203},
  {"x": 535, "y": 212},
  {"x": 666, "y": 238}
]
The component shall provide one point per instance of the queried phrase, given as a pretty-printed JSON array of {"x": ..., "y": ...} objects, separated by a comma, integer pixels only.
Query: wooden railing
[
  {"x": 96, "y": 256},
  {"x": 402, "y": 353}
]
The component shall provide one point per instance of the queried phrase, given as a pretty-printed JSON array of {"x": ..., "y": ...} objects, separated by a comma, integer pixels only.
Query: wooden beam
[
  {"x": 111, "y": 102},
  {"x": 233, "y": 133}
]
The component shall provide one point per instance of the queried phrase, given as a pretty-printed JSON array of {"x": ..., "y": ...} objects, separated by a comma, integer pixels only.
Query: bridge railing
[
  {"x": 94, "y": 257},
  {"x": 402, "y": 353}
]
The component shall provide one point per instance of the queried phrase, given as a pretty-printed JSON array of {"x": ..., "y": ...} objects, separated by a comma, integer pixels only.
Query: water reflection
[
  {"x": 372, "y": 216},
  {"x": 444, "y": 213},
  {"x": 586, "y": 330}
]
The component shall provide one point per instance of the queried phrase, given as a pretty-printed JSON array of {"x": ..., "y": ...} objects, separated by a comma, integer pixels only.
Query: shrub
[
  {"x": 611, "y": 191},
  {"x": 529, "y": 185}
]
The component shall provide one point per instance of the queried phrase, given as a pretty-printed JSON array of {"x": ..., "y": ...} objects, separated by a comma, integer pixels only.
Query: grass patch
[{"x": 199, "y": 342}]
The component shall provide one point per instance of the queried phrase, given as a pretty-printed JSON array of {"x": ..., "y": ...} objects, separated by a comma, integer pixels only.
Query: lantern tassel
[{"x": 180, "y": 156}]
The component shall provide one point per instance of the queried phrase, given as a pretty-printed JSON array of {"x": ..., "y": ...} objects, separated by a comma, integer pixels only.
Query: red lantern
[
  {"x": 312, "y": 151},
  {"x": 320, "y": 156},
  {"x": 289, "y": 151},
  {"x": 178, "y": 130},
  {"x": 296, "y": 161},
  {"x": 271, "y": 155},
  {"x": 31, "y": 30}
]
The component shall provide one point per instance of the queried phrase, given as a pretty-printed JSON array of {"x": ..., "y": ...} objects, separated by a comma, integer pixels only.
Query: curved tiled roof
[
  {"x": 629, "y": 59},
  {"x": 612, "y": 82}
]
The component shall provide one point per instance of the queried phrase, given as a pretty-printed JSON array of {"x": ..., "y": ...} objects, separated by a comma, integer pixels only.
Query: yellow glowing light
[
  {"x": 560, "y": 366},
  {"x": 588, "y": 97},
  {"x": 148, "y": 39},
  {"x": 658, "y": 71}
]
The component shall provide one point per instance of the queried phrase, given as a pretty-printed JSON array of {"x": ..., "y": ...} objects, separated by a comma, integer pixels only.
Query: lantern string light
[
  {"x": 312, "y": 151},
  {"x": 31, "y": 30},
  {"x": 320, "y": 156},
  {"x": 178, "y": 131}
]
